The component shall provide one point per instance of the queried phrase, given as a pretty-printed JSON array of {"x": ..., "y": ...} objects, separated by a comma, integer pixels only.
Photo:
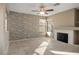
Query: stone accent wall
[{"x": 23, "y": 26}]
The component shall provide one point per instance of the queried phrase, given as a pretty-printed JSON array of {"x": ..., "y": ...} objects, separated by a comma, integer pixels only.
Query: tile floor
[{"x": 41, "y": 46}]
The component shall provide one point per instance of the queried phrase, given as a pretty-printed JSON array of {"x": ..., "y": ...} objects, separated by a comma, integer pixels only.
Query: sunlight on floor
[
  {"x": 41, "y": 49},
  {"x": 61, "y": 52}
]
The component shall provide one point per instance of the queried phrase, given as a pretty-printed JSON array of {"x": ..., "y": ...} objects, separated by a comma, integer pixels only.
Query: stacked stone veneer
[{"x": 22, "y": 26}]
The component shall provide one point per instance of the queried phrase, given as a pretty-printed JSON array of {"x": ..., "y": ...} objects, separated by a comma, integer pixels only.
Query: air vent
[{"x": 56, "y": 4}]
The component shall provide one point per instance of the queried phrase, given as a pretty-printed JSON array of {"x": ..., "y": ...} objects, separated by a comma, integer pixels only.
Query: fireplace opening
[{"x": 62, "y": 37}]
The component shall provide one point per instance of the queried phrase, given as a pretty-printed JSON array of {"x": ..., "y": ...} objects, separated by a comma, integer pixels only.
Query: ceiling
[{"x": 28, "y": 7}]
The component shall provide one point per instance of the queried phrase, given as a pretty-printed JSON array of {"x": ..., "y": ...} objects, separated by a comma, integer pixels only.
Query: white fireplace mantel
[{"x": 67, "y": 28}]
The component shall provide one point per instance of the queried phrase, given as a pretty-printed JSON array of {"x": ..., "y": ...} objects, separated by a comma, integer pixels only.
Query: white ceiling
[{"x": 28, "y": 7}]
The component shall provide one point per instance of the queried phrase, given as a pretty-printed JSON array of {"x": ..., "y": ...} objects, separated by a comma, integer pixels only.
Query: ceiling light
[{"x": 42, "y": 13}]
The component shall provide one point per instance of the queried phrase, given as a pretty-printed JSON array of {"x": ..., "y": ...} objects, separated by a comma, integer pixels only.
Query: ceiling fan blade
[
  {"x": 46, "y": 13},
  {"x": 50, "y": 10},
  {"x": 35, "y": 11}
]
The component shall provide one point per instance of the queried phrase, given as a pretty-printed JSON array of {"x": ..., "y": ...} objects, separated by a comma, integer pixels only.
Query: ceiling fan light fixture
[{"x": 42, "y": 12}]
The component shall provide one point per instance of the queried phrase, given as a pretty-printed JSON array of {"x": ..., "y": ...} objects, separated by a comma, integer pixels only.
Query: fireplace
[{"x": 62, "y": 37}]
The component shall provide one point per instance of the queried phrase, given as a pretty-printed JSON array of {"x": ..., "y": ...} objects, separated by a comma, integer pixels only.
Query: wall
[
  {"x": 69, "y": 18},
  {"x": 23, "y": 26},
  {"x": 4, "y": 42},
  {"x": 65, "y": 18}
]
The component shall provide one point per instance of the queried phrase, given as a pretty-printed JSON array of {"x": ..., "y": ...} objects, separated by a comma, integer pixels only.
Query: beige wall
[
  {"x": 3, "y": 33},
  {"x": 65, "y": 18},
  {"x": 23, "y": 25}
]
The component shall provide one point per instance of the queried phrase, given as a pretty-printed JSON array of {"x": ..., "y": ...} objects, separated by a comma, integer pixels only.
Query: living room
[{"x": 39, "y": 28}]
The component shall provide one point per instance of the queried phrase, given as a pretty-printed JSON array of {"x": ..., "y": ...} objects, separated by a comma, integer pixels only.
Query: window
[{"x": 42, "y": 26}]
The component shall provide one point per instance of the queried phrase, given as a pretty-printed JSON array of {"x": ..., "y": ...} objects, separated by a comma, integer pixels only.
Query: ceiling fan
[{"x": 42, "y": 9}]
